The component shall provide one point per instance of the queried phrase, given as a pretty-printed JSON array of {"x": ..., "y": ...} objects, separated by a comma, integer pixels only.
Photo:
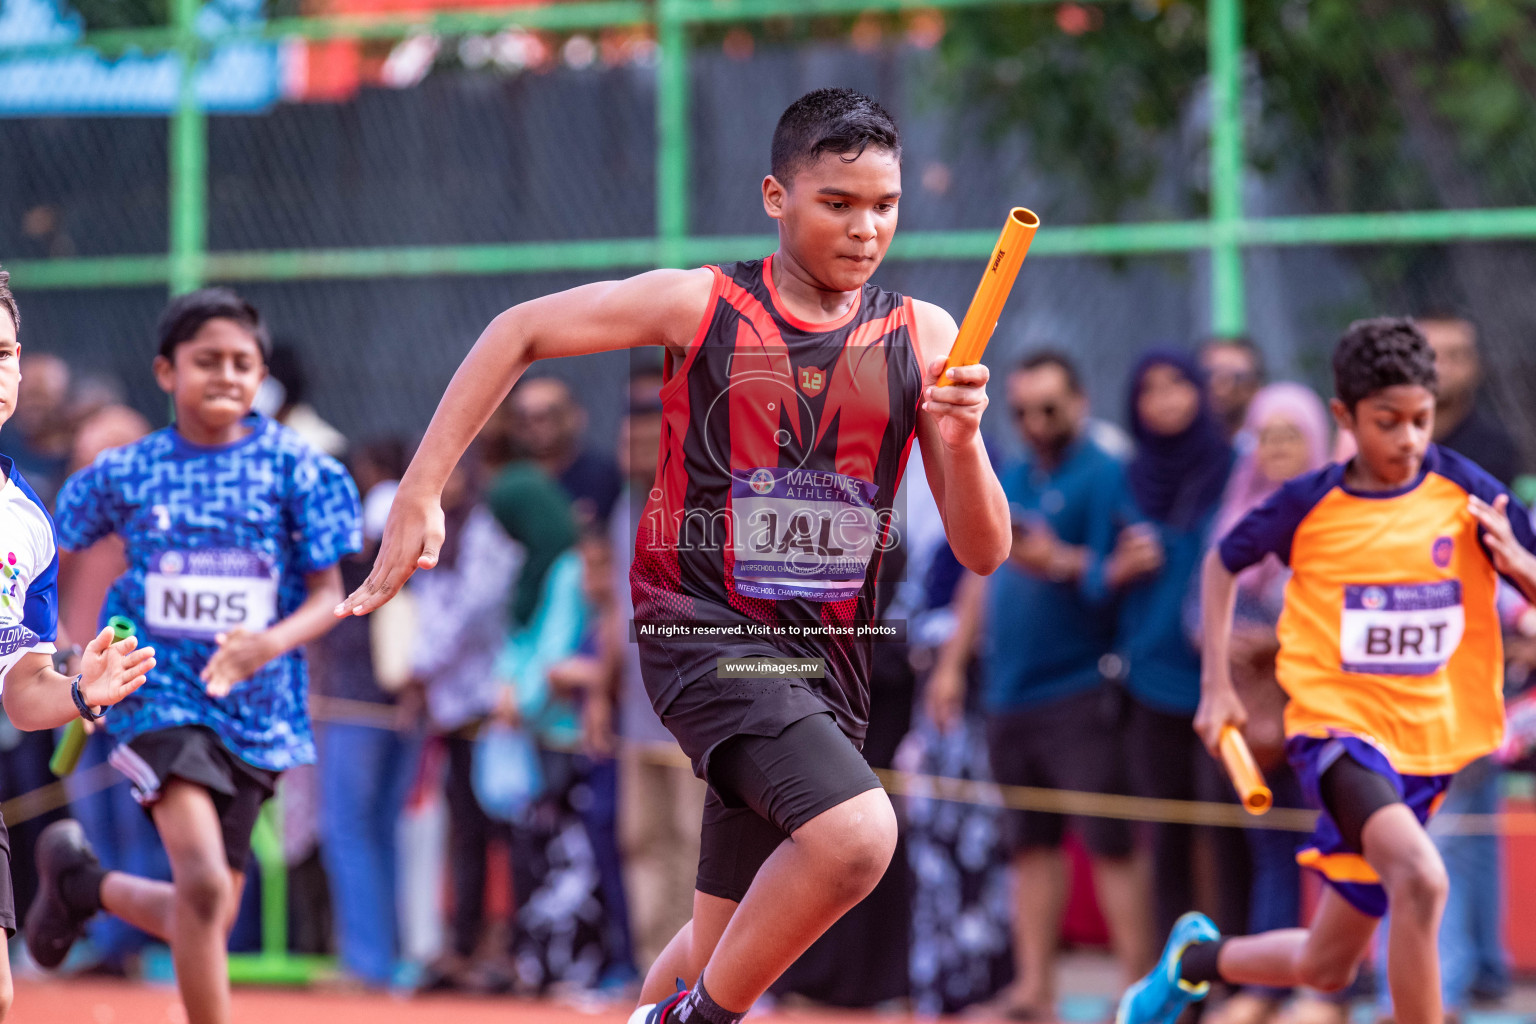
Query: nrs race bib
[
  {"x": 1404, "y": 629},
  {"x": 801, "y": 533},
  {"x": 200, "y": 594}
]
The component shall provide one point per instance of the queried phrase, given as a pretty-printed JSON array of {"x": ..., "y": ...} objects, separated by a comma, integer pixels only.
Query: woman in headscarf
[
  {"x": 1288, "y": 428},
  {"x": 1174, "y": 485}
]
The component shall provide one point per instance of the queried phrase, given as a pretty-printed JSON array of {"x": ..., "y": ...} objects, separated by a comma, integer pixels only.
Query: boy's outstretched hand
[
  {"x": 111, "y": 671},
  {"x": 413, "y": 536},
  {"x": 1509, "y": 556},
  {"x": 240, "y": 655}
]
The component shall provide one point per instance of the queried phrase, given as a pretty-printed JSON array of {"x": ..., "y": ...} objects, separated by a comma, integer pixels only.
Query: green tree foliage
[
  {"x": 1381, "y": 104},
  {"x": 1359, "y": 105}
]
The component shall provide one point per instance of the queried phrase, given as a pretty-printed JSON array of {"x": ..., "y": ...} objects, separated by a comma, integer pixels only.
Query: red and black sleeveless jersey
[{"x": 783, "y": 444}]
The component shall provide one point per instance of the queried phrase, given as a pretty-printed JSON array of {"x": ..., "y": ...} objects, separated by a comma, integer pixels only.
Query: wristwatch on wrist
[{"x": 85, "y": 709}]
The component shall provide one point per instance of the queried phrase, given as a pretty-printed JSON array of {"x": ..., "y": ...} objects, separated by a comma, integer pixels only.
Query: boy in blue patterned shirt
[{"x": 233, "y": 528}]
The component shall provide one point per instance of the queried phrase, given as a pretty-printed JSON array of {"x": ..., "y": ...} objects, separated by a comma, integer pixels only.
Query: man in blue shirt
[{"x": 1052, "y": 721}]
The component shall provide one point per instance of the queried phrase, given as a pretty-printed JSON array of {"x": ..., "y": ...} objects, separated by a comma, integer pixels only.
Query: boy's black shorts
[
  {"x": 194, "y": 754},
  {"x": 7, "y": 894},
  {"x": 774, "y": 758}
]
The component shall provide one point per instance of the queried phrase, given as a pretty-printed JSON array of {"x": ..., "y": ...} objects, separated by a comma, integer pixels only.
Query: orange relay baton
[
  {"x": 997, "y": 281},
  {"x": 1246, "y": 777}
]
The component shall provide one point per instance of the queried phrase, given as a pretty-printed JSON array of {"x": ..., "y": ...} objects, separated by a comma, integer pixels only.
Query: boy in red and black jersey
[{"x": 795, "y": 390}]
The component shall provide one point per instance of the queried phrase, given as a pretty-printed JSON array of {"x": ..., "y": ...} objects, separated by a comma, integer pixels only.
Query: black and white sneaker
[
  {"x": 656, "y": 1013},
  {"x": 52, "y": 926}
]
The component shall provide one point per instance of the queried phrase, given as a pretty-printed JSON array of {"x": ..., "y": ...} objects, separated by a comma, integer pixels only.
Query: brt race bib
[
  {"x": 1404, "y": 629},
  {"x": 801, "y": 533},
  {"x": 200, "y": 594}
]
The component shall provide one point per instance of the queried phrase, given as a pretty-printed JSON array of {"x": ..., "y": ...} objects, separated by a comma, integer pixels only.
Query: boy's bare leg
[
  {"x": 1397, "y": 846},
  {"x": 196, "y": 910},
  {"x": 690, "y": 949},
  {"x": 829, "y": 864},
  {"x": 1326, "y": 956},
  {"x": 146, "y": 903},
  {"x": 149, "y": 903}
]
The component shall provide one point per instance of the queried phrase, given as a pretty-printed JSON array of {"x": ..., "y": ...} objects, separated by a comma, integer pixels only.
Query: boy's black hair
[
  {"x": 1380, "y": 353},
  {"x": 8, "y": 301},
  {"x": 840, "y": 121},
  {"x": 186, "y": 314},
  {"x": 1053, "y": 357}
]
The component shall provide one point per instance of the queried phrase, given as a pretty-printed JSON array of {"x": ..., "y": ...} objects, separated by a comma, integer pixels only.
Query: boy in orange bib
[{"x": 1391, "y": 654}]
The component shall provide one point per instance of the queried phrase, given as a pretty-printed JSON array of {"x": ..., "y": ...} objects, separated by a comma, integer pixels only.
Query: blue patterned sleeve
[
  {"x": 85, "y": 511},
  {"x": 326, "y": 512}
]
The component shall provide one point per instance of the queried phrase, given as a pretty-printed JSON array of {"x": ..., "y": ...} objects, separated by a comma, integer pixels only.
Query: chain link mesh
[
  {"x": 1089, "y": 114},
  {"x": 82, "y": 186}
]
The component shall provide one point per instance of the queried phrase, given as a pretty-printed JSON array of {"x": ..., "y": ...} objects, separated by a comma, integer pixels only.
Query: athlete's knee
[
  {"x": 1326, "y": 973},
  {"x": 857, "y": 839},
  {"x": 1419, "y": 886},
  {"x": 205, "y": 889},
  {"x": 1328, "y": 977}
]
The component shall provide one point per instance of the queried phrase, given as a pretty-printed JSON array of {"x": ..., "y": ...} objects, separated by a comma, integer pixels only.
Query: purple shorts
[{"x": 1326, "y": 852}]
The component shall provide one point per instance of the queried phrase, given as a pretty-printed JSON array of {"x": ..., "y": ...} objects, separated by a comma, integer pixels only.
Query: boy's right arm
[
  {"x": 662, "y": 307},
  {"x": 1219, "y": 703},
  {"x": 36, "y": 697}
]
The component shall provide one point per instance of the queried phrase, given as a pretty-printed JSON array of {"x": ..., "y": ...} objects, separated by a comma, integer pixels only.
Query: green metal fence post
[
  {"x": 1228, "y": 307},
  {"x": 188, "y": 158},
  {"x": 671, "y": 133}
]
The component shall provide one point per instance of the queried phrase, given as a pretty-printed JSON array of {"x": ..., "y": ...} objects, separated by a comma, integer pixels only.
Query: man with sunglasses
[
  {"x": 1052, "y": 720},
  {"x": 1234, "y": 369}
]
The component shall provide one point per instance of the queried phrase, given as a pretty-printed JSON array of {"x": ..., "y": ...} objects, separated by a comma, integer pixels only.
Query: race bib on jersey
[
  {"x": 801, "y": 533},
  {"x": 200, "y": 594},
  {"x": 1403, "y": 629}
]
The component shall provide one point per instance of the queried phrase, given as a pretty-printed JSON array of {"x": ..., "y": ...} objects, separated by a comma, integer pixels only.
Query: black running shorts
[
  {"x": 194, "y": 754},
  {"x": 774, "y": 758}
]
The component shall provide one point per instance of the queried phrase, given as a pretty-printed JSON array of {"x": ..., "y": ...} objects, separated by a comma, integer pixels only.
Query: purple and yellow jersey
[{"x": 1389, "y": 630}]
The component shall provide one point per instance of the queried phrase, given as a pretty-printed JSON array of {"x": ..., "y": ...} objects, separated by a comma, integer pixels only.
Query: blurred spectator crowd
[{"x": 496, "y": 807}]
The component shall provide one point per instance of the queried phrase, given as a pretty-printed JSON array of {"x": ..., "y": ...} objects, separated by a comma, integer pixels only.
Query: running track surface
[{"x": 79, "y": 1001}]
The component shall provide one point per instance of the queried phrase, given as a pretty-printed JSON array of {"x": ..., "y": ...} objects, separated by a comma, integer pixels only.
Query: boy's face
[
  {"x": 212, "y": 378},
  {"x": 836, "y": 216},
  {"x": 1392, "y": 428},
  {"x": 10, "y": 365}
]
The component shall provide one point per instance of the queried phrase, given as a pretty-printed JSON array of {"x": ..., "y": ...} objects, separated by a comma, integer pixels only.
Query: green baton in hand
[{"x": 67, "y": 754}]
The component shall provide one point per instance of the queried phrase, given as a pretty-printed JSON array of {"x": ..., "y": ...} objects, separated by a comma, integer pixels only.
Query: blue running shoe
[{"x": 1161, "y": 996}]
